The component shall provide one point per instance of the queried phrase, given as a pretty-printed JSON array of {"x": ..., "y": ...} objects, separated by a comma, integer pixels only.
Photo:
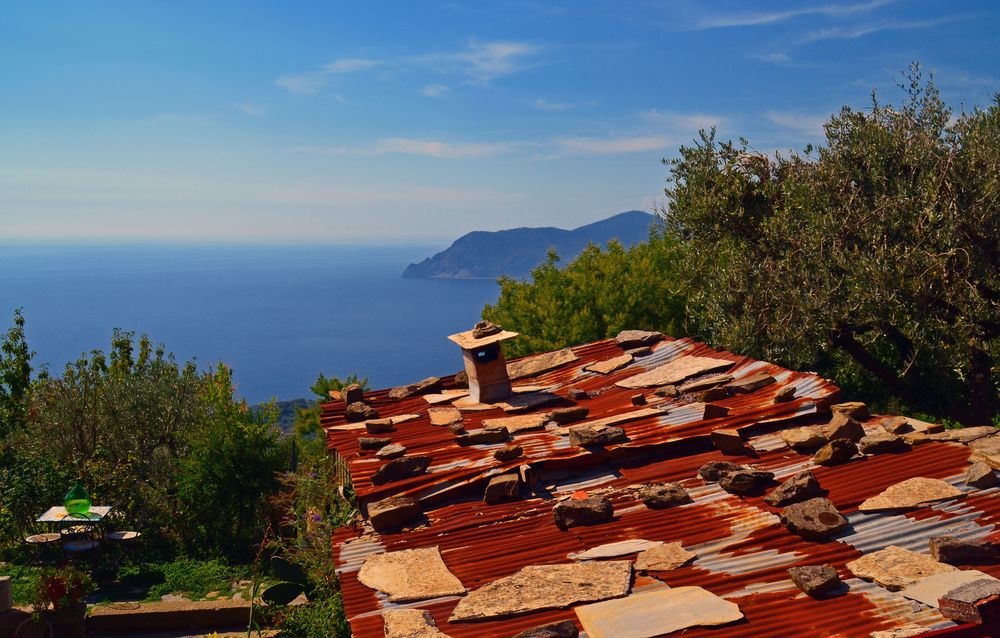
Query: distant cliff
[{"x": 515, "y": 252}]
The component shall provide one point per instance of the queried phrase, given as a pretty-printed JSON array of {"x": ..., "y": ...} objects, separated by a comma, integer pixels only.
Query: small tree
[
  {"x": 15, "y": 377},
  {"x": 595, "y": 296}
]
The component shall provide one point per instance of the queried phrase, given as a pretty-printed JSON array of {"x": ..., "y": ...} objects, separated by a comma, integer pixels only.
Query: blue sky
[{"x": 395, "y": 121}]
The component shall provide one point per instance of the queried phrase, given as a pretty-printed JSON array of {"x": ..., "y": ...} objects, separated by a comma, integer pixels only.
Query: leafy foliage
[
  {"x": 876, "y": 259},
  {"x": 595, "y": 296},
  {"x": 15, "y": 377},
  {"x": 167, "y": 445},
  {"x": 308, "y": 433}
]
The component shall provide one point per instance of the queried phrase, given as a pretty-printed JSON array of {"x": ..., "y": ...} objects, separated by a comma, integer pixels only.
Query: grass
[{"x": 23, "y": 585}]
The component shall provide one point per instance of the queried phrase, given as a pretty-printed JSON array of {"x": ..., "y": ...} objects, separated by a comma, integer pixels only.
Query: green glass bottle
[{"x": 77, "y": 500}]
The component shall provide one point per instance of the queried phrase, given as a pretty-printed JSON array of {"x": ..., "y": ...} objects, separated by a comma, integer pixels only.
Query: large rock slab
[
  {"x": 582, "y": 511},
  {"x": 929, "y": 590},
  {"x": 410, "y": 623},
  {"x": 562, "y": 629},
  {"x": 881, "y": 443},
  {"x": 963, "y": 435},
  {"x": 674, "y": 372},
  {"x": 401, "y": 468},
  {"x": 627, "y": 339},
  {"x": 616, "y": 549},
  {"x": 444, "y": 416},
  {"x": 589, "y": 434},
  {"x": 610, "y": 365},
  {"x": 538, "y": 587},
  {"x": 656, "y": 613},
  {"x": 801, "y": 487},
  {"x": 663, "y": 557},
  {"x": 853, "y": 409},
  {"x": 910, "y": 494},
  {"x": 961, "y": 551},
  {"x": 515, "y": 424},
  {"x": 896, "y": 568},
  {"x": 808, "y": 438},
  {"x": 752, "y": 383},
  {"x": 562, "y": 416},
  {"x": 393, "y": 512},
  {"x": 975, "y": 602},
  {"x": 705, "y": 383},
  {"x": 505, "y": 487},
  {"x": 981, "y": 475},
  {"x": 540, "y": 363},
  {"x": 410, "y": 575},
  {"x": 835, "y": 452},
  {"x": 359, "y": 411},
  {"x": 814, "y": 519},
  {"x": 814, "y": 579},
  {"x": 661, "y": 495},
  {"x": 428, "y": 385},
  {"x": 987, "y": 450},
  {"x": 841, "y": 426}
]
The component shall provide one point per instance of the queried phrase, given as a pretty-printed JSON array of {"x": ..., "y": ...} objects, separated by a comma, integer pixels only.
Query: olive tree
[{"x": 874, "y": 257}]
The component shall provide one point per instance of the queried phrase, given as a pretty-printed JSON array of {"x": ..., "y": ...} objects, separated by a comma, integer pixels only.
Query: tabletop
[{"x": 59, "y": 514}]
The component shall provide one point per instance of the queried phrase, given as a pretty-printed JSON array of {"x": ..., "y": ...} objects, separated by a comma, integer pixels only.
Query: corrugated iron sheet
[{"x": 743, "y": 550}]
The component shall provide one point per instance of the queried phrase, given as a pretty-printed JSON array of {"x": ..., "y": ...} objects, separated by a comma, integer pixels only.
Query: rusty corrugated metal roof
[{"x": 743, "y": 549}]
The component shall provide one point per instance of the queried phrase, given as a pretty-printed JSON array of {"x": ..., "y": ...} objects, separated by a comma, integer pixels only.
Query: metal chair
[
  {"x": 30, "y": 628},
  {"x": 80, "y": 539},
  {"x": 39, "y": 544}
]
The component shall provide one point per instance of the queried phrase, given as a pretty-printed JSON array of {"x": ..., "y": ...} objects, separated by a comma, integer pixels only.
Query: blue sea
[{"x": 279, "y": 315}]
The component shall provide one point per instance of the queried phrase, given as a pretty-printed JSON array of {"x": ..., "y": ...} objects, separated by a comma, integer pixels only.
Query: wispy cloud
[
  {"x": 434, "y": 90},
  {"x": 306, "y": 84},
  {"x": 774, "y": 57},
  {"x": 752, "y": 19},
  {"x": 478, "y": 63},
  {"x": 682, "y": 122},
  {"x": 351, "y": 65},
  {"x": 861, "y": 30},
  {"x": 801, "y": 123},
  {"x": 544, "y": 105},
  {"x": 612, "y": 145},
  {"x": 413, "y": 146},
  {"x": 253, "y": 110}
]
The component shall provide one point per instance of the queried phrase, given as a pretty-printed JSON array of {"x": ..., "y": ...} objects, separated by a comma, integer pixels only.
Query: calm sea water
[{"x": 277, "y": 315}]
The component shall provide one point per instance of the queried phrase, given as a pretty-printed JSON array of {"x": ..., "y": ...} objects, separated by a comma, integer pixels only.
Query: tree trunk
[
  {"x": 843, "y": 337},
  {"x": 983, "y": 401}
]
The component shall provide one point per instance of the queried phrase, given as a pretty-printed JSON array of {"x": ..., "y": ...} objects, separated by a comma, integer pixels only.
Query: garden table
[{"x": 58, "y": 514}]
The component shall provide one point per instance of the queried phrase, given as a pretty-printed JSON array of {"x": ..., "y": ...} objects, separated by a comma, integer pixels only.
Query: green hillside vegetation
[{"x": 872, "y": 259}]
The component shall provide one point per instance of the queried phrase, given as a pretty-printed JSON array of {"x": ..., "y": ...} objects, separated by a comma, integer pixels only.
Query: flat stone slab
[
  {"x": 445, "y": 396},
  {"x": 963, "y": 435},
  {"x": 515, "y": 424},
  {"x": 410, "y": 623},
  {"x": 444, "y": 416},
  {"x": 910, "y": 494},
  {"x": 664, "y": 557},
  {"x": 610, "y": 365},
  {"x": 538, "y": 587},
  {"x": 410, "y": 575},
  {"x": 656, "y": 613},
  {"x": 674, "y": 372},
  {"x": 929, "y": 590},
  {"x": 613, "y": 550},
  {"x": 540, "y": 363},
  {"x": 896, "y": 568}
]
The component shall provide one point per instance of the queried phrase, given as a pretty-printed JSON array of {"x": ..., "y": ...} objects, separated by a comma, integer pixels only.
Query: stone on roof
[
  {"x": 521, "y": 423},
  {"x": 444, "y": 416},
  {"x": 655, "y": 613},
  {"x": 928, "y": 590},
  {"x": 410, "y": 575},
  {"x": 674, "y": 372},
  {"x": 616, "y": 549},
  {"x": 468, "y": 341},
  {"x": 628, "y": 339},
  {"x": 538, "y": 364},
  {"x": 538, "y": 587},
  {"x": 410, "y": 623},
  {"x": 608, "y": 366},
  {"x": 896, "y": 568},
  {"x": 910, "y": 494},
  {"x": 664, "y": 557}
]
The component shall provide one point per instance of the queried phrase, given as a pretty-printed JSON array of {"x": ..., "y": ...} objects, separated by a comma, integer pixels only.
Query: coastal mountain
[{"x": 515, "y": 252}]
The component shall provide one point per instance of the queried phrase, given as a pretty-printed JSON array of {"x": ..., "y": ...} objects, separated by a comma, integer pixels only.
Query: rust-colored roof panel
[{"x": 743, "y": 551}]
